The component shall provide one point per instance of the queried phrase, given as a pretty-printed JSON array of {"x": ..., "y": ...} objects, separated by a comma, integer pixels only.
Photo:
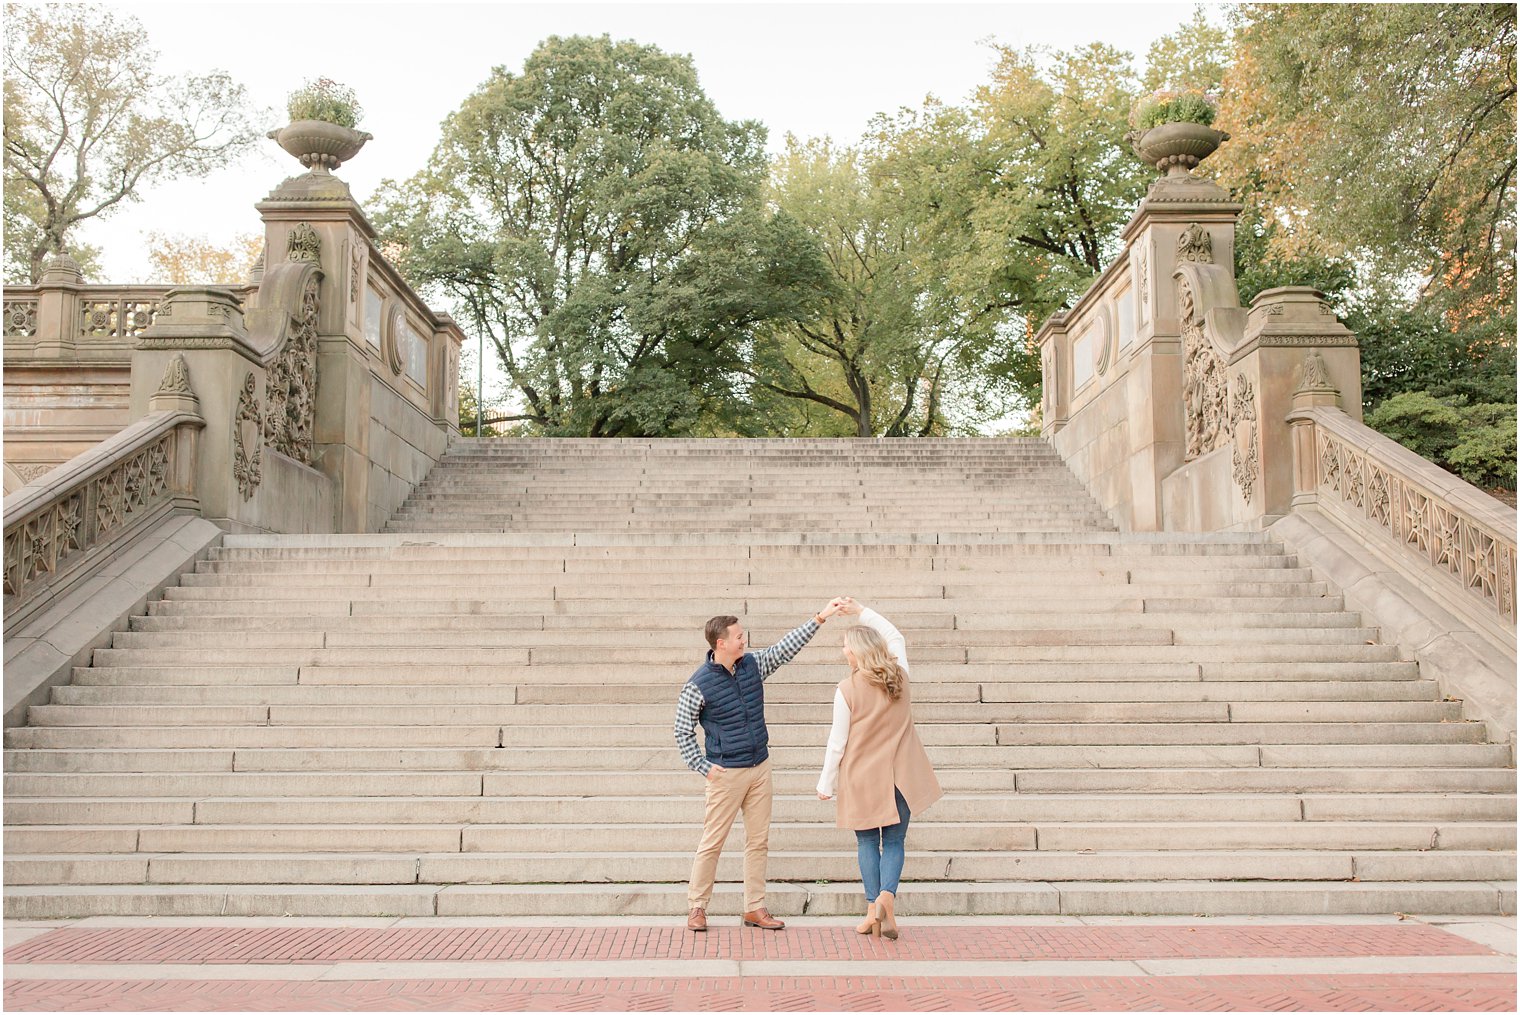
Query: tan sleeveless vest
[{"x": 883, "y": 752}]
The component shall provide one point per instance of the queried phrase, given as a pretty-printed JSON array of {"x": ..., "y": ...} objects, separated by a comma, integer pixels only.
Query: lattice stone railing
[
  {"x": 78, "y": 513},
  {"x": 1449, "y": 530},
  {"x": 118, "y": 313},
  {"x": 50, "y": 313}
]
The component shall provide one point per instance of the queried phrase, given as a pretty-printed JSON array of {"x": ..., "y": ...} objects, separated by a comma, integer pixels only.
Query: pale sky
[
  {"x": 807, "y": 69},
  {"x": 810, "y": 69}
]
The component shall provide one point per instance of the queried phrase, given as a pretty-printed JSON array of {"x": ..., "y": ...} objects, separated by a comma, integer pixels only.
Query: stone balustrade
[
  {"x": 1457, "y": 540},
  {"x": 81, "y": 513}
]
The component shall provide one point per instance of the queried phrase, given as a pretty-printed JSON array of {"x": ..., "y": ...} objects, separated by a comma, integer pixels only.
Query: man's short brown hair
[{"x": 718, "y": 628}]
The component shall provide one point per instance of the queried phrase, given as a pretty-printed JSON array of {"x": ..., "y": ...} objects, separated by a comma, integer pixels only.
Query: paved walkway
[{"x": 1045, "y": 963}]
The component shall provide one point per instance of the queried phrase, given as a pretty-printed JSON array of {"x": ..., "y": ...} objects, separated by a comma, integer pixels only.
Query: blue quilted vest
[{"x": 733, "y": 716}]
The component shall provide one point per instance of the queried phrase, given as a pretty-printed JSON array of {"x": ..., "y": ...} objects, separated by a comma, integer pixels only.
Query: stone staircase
[{"x": 471, "y": 713}]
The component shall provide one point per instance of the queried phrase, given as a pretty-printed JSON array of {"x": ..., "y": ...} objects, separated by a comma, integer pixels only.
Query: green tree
[
  {"x": 888, "y": 348},
  {"x": 88, "y": 124},
  {"x": 1195, "y": 56},
  {"x": 1387, "y": 132},
  {"x": 598, "y": 219}
]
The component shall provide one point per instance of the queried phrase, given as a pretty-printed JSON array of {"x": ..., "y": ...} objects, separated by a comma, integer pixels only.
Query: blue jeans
[{"x": 882, "y": 853}]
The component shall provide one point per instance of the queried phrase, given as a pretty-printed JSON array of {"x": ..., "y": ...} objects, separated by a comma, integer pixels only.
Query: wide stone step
[
  {"x": 686, "y": 657},
  {"x": 928, "y": 837},
  {"x": 813, "y": 671},
  {"x": 509, "y": 712},
  {"x": 825, "y": 867},
  {"x": 531, "y": 594},
  {"x": 687, "y": 810},
  {"x": 927, "y": 642},
  {"x": 150, "y": 783},
  {"x": 1101, "y": 760}
]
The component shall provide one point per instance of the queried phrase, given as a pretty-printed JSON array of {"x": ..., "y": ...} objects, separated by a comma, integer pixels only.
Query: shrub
[
  {"x": 1174, "y": 107},
  {"x": 326, "y": 100},
  {"x": 1486, "y": 454},
  {"x": 1477, "y": 442}
]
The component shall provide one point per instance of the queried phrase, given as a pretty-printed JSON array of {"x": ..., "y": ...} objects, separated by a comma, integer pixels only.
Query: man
[{"x": 727, "y": 696}]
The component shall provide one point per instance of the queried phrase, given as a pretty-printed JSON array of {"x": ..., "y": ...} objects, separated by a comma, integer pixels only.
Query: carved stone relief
[
  {"x": 1316, "y": 376},
  {"x": 247, "y": 467},
  {"x": 1143, "y": 284},
  {"x": 1245, "y": 453},
  {"x": 355, "y": 267},
  {"x": 305, "y": 245},
  {"x": 176, "y": 378},
  {"x": 289, "y": 422},
  {"x": 1205, "y": 393},
  {"x": 1195, "y": 245},
  {"x": 21, "y": 318}
]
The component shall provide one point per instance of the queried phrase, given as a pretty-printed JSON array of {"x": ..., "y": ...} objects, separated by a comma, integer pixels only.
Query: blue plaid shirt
[{"x": 689, "y": 706}]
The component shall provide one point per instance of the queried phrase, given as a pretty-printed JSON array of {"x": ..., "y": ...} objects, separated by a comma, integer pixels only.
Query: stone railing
[
  {"x": 1457, "y": 541},
  {"x": 61, "y": 316},
  {"x": 80, "y": 513}
]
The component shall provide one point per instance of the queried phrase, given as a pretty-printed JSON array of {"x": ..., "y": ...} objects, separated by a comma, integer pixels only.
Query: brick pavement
[
  {"x": 1427, "y": 992},
  {"x": 538, "y": 944},
  {"x": 286, "y": 969}
]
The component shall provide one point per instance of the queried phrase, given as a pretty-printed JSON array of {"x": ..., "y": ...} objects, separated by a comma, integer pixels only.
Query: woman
[{"x": 874, "y": 754}]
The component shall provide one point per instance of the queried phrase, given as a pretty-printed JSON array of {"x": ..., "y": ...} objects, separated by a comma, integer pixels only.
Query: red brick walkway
[
  {"x": 871, "y": 990},
  {"x": 287, "y": 945},
  {"x": 1434, "y": 992}
]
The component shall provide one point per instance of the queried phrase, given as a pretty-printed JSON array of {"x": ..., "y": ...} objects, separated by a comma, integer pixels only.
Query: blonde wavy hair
[{"x": 874, "y": 661}]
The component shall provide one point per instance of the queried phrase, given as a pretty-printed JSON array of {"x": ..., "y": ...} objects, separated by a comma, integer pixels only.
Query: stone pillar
[
  {"x": 1183, "y": 219},
  {"x": 202, "y": 330},
  {"x": 1295, "y": 353},
  {"x": 315, "y": 218},
  {"x": 58, "y": 308}
]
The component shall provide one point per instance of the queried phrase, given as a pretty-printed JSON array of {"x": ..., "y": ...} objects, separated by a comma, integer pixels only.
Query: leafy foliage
[
  {"x": 326, "y": 100},
  {"x": 602, "y": 223},
  {"x": 88, "y": 124},
  {"x": 1174, "y": 107},
  {"x": 1385, "y": 132},
  {"x": 195, "y": 260},
  {"x": 1477, "y": 442}
]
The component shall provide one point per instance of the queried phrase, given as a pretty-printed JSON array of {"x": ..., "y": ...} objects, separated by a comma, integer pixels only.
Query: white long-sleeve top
[{"x": 839, "y": 733}]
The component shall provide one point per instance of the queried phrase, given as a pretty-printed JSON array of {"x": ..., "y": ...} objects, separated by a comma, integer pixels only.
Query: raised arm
[
  {"x": 772, "y": 659},
  {"x": 884, "y": 627}
]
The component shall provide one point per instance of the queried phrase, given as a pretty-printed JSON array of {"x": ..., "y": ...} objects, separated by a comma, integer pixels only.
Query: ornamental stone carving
[
  {"x": 1205, "y": 394},
  {"x": 1195, "y": 245},
  {"x": 1316, "y": 376},
  {"x": 1245, "y": 452},
  {"x": 305, "y": 245},
  {"x": 176, "y": 378},
  {"x": 20, "y": 318},
  {"x": 290, "y": 419},
  {"x": 355, "y": 266},
  {"x": 247, "y": 466},
  {"x": 1144, "y": 283}
]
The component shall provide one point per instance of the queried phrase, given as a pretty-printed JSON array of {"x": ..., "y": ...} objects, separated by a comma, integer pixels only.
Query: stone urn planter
[
  {"x": 320, "y": 145},
  {"x": 1176, "y": 148}
]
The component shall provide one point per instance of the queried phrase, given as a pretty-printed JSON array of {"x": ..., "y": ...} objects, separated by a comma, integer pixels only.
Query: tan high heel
[
  {"x": 886, "y": 918},
  {"x": 870, "y": 925}
]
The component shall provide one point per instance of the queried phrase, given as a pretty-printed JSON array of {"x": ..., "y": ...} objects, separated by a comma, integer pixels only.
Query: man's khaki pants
[{"x": 729, "y": 792}]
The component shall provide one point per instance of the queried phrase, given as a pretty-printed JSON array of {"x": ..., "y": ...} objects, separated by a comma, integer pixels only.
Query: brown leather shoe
[
  {"x": 763, "y": 919},
  {"x": 697, "y": 920}
]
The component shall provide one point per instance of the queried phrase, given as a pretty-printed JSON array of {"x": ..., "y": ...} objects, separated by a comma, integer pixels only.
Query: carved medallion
[
  {"x": 247, "y": 467},
  {"x": 305, "y": 245},
  {"x": 1195, "y": 245},
  {"x": 1245, "y": 454}
]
